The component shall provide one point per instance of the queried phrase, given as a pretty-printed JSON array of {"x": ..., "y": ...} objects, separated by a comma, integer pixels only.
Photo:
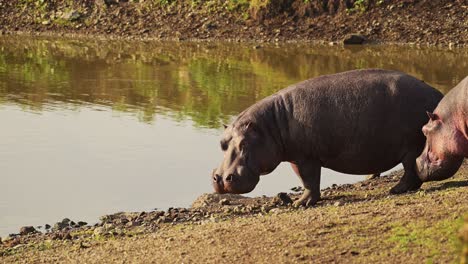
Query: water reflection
[
  {"x": 206, "y": 83},
  {"x": 92, "y": 127}
]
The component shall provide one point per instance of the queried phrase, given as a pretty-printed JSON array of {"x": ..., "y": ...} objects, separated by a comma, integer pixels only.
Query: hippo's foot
[
  {"x": 373, "y": 176},
  {"x": 307, "y": 199},
  {"x": 406, "y": 184}
]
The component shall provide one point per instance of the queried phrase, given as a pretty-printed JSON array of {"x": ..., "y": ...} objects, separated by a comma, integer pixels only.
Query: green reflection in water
[{"x": 204, "y": 82}]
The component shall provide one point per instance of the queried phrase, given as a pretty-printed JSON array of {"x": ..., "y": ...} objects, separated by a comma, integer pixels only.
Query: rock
[
  {"x": 110, "y": 2},
  {"x": 82, "y": 223},
  {"x": 71, "y": 15},
  {"x": 25, "y": 230},
  {"x": 282, "y": 199},
  {"x": 46, "y": 22},
  {"x": 60, "y": 225},
  {"x": 354, "y": 39},
  {"x": 224, "y": 202},
  {"x": 257, "y": 47},
  {"x": 1, "y": 241},
  {"x": 99, "y": 231},
  {"x": 297, "y": 189},
  {"x": 338, "y": 203},
  {"x": 133, "y": 223},
  {"x": 47, "y": 226}
]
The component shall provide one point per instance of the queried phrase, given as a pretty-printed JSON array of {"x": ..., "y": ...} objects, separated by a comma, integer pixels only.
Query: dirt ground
[
  {"x": 357, "y": 223},
  {"x": 425, "y": 22}
]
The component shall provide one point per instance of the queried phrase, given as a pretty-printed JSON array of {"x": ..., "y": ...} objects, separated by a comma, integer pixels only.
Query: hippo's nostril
[
  {"x": 217, "y": 178},
  {"x": 230, "y": 178}
]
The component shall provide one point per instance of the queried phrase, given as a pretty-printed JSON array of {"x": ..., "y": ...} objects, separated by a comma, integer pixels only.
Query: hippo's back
[{"x": 358, "y": 121}]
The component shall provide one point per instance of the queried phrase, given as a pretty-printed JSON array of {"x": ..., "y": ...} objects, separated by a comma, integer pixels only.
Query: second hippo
[
  {"x": 447, "y": 136},
  {"x": 355, "y": 122}
]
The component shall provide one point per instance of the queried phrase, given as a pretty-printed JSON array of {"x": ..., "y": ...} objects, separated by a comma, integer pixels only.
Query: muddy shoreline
[
  {"x": 425, "y": 23},
  {"x": 213, "y": 209}
]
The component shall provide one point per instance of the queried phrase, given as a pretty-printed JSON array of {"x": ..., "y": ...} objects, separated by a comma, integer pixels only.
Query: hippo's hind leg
[
  {"x": 410, "y": 180},
  {"x": 309, "y": 172},
  {"x": 373, "y": 176}
]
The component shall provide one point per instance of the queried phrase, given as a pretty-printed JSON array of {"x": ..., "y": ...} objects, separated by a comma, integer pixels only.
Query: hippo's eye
[{"x": 224, "y": 145}]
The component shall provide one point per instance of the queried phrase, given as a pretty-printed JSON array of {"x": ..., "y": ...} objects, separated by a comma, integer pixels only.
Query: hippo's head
[
  {"x": 247, "y": 155},
  {"x": 440, "y": 158}
]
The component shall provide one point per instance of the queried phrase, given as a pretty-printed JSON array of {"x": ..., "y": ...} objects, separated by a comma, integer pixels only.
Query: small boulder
[
  {"x": 282, "y": 199},
  {"x": 354, "y": 39},
  {"x": 25, "y": 230}
]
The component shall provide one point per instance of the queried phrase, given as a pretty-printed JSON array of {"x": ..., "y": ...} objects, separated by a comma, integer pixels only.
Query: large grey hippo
[
  {"x": 447, "y": 136},
  {"x": 355, "y": 122}
]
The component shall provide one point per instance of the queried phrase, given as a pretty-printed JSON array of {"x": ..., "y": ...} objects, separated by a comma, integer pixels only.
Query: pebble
[
  {"x": 224, "y": 202},
  {"x": 283, "y": 199},
  {"x": 98, "y": 231},
  {"x": 338, "y": 203},
  {"x": 27, "y": 230},
  {"x": 354, "y": 39},
  {"x": 82, "y": 223}
]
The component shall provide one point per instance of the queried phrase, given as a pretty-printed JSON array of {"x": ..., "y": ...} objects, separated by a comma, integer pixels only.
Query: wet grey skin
[
  {"x": 446, "y": 136},
  {"x": 355, "y": 122}
]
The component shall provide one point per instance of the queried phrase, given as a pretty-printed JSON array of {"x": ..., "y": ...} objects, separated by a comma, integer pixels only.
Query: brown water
[{"x": 94, "y": 127}]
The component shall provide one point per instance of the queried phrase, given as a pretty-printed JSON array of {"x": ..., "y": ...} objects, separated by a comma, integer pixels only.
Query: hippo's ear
[{"x": 432, "y": 116}]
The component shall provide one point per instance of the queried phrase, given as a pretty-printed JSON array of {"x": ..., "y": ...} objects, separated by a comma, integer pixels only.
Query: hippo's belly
[
  {"x": 361, "y": 166},
  {"x": 365, "y": 156}
]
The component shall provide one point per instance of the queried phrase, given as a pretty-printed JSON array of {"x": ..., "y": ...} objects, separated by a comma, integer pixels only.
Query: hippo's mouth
[{"x": 432, "y": 159}]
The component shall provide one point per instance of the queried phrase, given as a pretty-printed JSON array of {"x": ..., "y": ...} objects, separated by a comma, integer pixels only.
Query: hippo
[
  {"x": 447, "y": 136},
  {"x": 355, "y": 122}
]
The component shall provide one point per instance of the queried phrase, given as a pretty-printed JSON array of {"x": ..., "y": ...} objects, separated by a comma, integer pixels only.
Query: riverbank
[
  {"x": 356, "y": 223},
  {"x": 441, "y": 23}
]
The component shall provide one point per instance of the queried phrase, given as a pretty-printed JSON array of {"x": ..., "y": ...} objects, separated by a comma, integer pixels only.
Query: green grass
[{"x": 419, "y": 235}]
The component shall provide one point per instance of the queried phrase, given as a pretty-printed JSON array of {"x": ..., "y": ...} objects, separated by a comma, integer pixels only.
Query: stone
[
  {"x": 338, "y": 203},
  {"x": 60, "y": 225},
  {"x": 224, "y": 201},
  {"x": 354, "y": 39},
  {"x": 82, "y": 223},
  {"x": 282, "y": 199},
  {"x": 25, "y": 230},
  {"x": 71, "y": 15},
  {"x": 47, "y": 226},
  {"x": 99, "y": 231}
]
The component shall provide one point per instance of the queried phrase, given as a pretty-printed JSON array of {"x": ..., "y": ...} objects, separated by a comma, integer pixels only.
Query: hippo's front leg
[{"x": 309, "y": 172}]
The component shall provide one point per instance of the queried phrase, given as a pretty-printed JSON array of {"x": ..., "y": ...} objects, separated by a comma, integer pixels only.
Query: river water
[{"x": 91, "y": 127}]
